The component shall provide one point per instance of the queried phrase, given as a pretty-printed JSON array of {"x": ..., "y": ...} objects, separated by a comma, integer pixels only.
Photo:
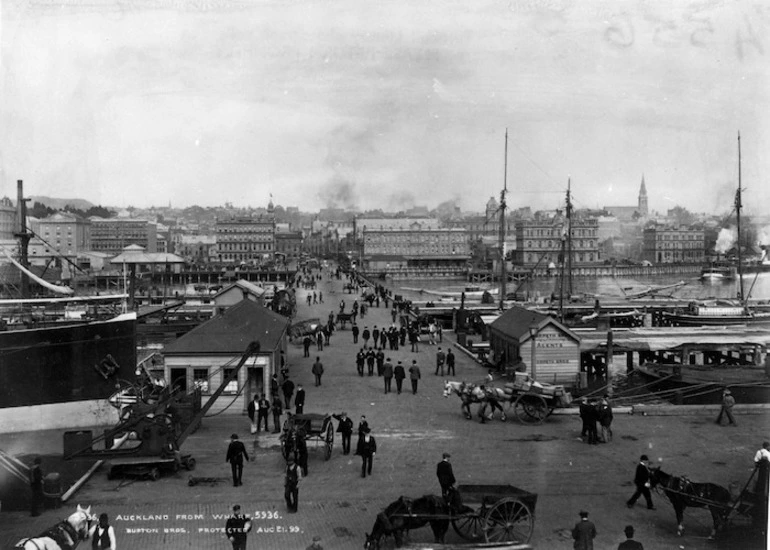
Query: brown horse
[
  {"x": 683, "y": 493},
  {"x": 406, "y": 514}
]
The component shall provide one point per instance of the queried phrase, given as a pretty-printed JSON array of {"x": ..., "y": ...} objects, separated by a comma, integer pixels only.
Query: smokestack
[{"x": 23, "y": 236}]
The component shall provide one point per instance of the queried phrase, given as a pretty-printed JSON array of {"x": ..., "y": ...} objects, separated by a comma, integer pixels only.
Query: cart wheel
[
  {"x": 329, "y": 441},
  {"x": 470, "y": 526},
  {"x": 155, "y": 473},
  {"x": 509, "y": 520},
  {"x": 531, "y": 409},
  {"x": 189, "y": 463}
]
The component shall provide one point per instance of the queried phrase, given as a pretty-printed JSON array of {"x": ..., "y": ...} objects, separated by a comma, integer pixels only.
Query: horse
[
  {"x": 65, "y": 535},
  {"x": 683, "y": 493},
  {"x": 483, "y": 395},
  {"x": 406, "y": 514}
]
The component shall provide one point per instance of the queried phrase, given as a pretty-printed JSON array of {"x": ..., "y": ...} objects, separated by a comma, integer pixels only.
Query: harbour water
[{"x": 756, "y": 286}]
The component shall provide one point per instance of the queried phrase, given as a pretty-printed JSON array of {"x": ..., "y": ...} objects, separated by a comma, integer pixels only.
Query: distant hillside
[{"x": 58, "y": 204}]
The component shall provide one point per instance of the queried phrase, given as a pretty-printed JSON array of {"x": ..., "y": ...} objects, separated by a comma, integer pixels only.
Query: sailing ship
[
  {"x": 718, "y": 313},
  {"x": 60, "y": 357}
]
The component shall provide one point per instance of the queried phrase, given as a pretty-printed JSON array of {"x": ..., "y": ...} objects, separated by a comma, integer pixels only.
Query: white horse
[
  {"x": 65, "y": 535},
  {"x": 483, "y": 395}
]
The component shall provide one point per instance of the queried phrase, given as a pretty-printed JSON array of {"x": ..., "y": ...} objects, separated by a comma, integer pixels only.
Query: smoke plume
[{"x": 726, "y": 239}]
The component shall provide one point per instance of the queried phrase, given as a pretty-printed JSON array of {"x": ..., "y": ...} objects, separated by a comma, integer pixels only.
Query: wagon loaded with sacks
[{"x": 534, "y": 401}]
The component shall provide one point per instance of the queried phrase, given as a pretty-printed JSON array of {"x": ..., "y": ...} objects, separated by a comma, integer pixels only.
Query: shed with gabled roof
[
  {"x": 550, "y": 351},
  {"x": 202, "y": 356},
  {"x": 237, "y": 291}
]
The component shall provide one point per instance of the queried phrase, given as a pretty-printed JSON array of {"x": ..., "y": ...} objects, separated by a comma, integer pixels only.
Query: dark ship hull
[{"x": 62, "y": 374}]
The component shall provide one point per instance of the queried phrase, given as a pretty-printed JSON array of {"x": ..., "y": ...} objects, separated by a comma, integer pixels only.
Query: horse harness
[{"x": 62, "y": 534}]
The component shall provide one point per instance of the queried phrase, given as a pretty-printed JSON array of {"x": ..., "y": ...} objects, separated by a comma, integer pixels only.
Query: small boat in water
[{"x": 715, "y": 272}]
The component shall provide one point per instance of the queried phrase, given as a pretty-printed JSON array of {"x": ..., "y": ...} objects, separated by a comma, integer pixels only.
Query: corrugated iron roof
[{"x": 232, "y": 331}]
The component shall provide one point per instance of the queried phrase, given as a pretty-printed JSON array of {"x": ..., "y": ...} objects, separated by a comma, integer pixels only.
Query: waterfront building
[
  {"x": 540, "y": 241},
  {"x": 399, "y": 247},
  {"x": 112, "y": 235},
  {"x": 196, "y": 249},
  {"x": 60, "y": 235},
  {"x": 665, "y": 244},
  {"x": 288, "y": 243},
  {"x": 7, "y": 220},
  {"x": 245, "y": 240},
  {"x": 207, "y": 354}
]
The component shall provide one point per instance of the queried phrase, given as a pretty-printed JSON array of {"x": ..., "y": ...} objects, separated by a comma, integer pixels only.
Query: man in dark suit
[
  {"x": 236, "y": 528},
  {"x": 288, "y": 391},
  {"x": 367, "y": 447},
  {"x": 446, "y": 477},
  {"x": 345, "y": 427},
  {"x": 291, "y": 484},
  {"x": 399, "y": 374},
  {"x": 584, "y": 533},
  {"x": 236, "y": 452},
  {"x": 299, "y": 401},
  {"x": 263, "y": 408},
  {"x": 642, "y": 482}
]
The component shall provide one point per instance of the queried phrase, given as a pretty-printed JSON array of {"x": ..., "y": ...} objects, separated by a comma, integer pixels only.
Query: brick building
[
  {"x": 664, "y": 244},
  {"x": 112, "y": 235},
  {"x": 540, "y": 241}
]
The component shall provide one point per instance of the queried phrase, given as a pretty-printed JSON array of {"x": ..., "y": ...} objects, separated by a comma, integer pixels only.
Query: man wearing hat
[
  {"x": 728, "y": 402},
  {"x": 36, "y": 484},
  {"x": 630, "y": 543},
  {"x": 236, "y": 452},
  {"x": 345, "y": 428},
  {"x": 642, "y": 482},
  {"x": 291, "y": 484},
  {"x": 446, "y": 477},
  {"x": 367, "y": 448},
  {"x": 236, "y": 528},
  {"x": 584, "y": 533},
  {"x": 316, "y": 544}
]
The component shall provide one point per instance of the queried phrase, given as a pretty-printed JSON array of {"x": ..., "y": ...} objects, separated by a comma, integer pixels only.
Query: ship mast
[
  {"x": 23, "y": 235},
  {"x": 503, "y": 274},
  {"x": 738, "y": 205},
  {"x": 566, "y": 250}
]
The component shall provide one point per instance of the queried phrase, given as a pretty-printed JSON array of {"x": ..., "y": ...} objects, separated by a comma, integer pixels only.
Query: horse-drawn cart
[
  {"x": 532, "y": 401},
  {"x": 495, "y": 513},
  {"x": 481, "y": 514},
  {"x": 344, "y": 318},
  {"x": 309, "y": 426}
]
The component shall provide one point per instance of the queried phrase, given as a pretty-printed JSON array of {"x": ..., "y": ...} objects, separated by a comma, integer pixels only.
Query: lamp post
[{"x": 533, "y": 336}]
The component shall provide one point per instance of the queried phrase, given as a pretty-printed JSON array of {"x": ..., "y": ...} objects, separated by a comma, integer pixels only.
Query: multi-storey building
[
  {"x": 539, "y": 241},
  {"x": 112, "y": 235},
  {"x": 664, "y": 244},
  {"x": 245, "y": 240},
  {"x": 7, "y": 219},
  {"x": 288, "y": 243},
  {"x": 414, "y": 246},
  {"x": 197, "y": 249},
  {"x": 61, "y": 234}
]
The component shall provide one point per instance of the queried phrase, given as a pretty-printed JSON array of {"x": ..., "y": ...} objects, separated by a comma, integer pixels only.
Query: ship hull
[
  {"x": 62, "y": 376},
  {"x": 703, "y": 384}
]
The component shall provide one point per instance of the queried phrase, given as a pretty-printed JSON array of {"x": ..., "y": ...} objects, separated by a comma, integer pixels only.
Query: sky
[{"x": 388, "y": 104}]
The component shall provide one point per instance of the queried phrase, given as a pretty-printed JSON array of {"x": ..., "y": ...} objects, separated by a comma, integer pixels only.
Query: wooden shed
[
  {"x": 237, "y": 291},
  {"x": 203, "y": 356},
  {"x": 549, "y": 351}
]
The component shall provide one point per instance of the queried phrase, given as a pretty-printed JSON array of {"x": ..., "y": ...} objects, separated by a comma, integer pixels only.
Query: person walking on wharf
[
  {"x": 440, "y": 357},
  {"x": 236, "y": 452},
  {"x": 728, "y": 402},
  {"x": 277, "y": 410},
  {"x": 604, "y": 412},
  {"x": 450, "y": 363},
  {"x": 446, "y": 477},
  {"x": 251, "y": 410},
  {"x": 354, "y": 330},
  {"x": 262, "y": 412},
  {"x": 399, "y": 374},
  {"x": 642, "y": 482},
  {"x": 367, "y": 450},
  {"x": 318, "y": 370},
  {"x": 630, "y": 543},
  {"x": 288, "y": 391},
  {"x": 387, "y": 374},
  {"x": 36, "y": 484},
  {"x": 414, "y": 375},
  {"x": 291, "y": 485},
  {"x": 236, "y": 528},
  {"x": 584, "y": 533},
  {"x": 103, "y": 535},
  {"x": 299, "y": 401},
  {"x": 363, "y": 426},
  {"x": 345, "y": 428}
]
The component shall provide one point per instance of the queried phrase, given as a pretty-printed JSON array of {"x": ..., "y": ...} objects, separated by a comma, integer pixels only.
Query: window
[
  {"x": 232, "y": 387},
  {"x": 201, "y": 379}
]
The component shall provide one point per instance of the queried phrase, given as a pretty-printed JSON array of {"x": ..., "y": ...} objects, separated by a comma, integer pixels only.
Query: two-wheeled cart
[
  {"x": 495, "y": 513},
  {"x": 311, "y": 427}
]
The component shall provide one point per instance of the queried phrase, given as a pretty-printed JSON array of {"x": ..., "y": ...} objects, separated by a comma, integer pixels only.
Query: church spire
[{"x": 643, "y": 205}]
